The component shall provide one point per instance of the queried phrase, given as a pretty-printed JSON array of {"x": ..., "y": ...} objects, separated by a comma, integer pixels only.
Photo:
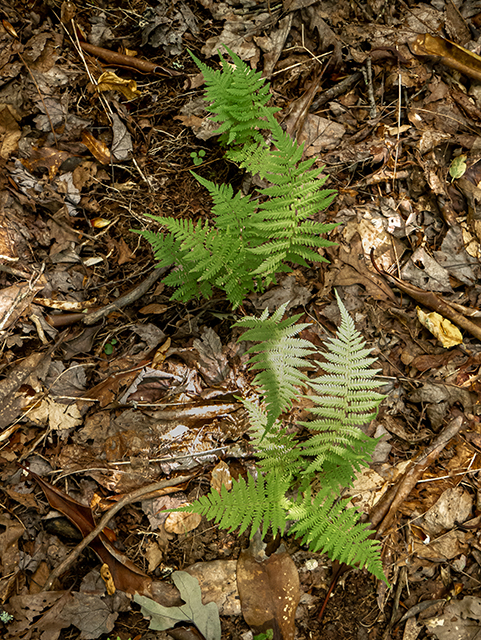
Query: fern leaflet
[
  {"x": 239, "y": 99},
  {"x": 328, "y": 526}
]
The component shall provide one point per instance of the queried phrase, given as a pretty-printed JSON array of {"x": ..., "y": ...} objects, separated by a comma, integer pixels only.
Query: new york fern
[
  {"x": 248, "y": 240},
  {"x": 299, "y": 482}
]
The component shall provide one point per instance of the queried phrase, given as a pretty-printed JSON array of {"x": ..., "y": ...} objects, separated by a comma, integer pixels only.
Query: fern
[
  {"x": 294, "y": 196},
  {"x": 276, "y": 451},
  {"x": 260, "y": 503},
  {"x": 279, "y": 356},
  {"x": 327, "y": 525},
  {"x": 345, "y": 400},
  {"x": 300, "y": 481},
  {"x": 248, "y": 240},
  {"x": 238, "y": 97}
]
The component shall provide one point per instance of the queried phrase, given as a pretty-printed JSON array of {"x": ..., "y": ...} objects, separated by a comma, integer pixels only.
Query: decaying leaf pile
[{"x": 118, "y": 404}]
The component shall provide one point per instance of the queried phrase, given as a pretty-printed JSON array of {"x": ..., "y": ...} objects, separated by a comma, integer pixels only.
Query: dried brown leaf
[
  {"x": 448, "y": 53},
  {"x": 182, "y": 522},
  {"x": 98, "y": 149},
  {"x": 126, "y": 576},
  {"x": 269, "y": 593}
]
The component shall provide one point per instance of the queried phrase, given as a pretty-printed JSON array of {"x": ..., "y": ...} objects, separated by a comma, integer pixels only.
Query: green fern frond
[
  {"x": 295, "y": 194},
  {"x": 233, "y": 213},
  {"x": 186, "y": 288},
  {"x": 166, "y": 248},
  {"x": 238, "y": 97},
  {"x": 345, "y": 400},
  {"x": 328, "y": 459},
  {"x": 280, "y": 354},
  {"x": 260, "y": 503},
  {"x": 329, "y": 526},
  {"x": 248, "y": 240}
]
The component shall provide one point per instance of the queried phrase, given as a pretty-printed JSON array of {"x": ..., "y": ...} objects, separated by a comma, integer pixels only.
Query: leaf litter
[{"x": 108, "y": 387}]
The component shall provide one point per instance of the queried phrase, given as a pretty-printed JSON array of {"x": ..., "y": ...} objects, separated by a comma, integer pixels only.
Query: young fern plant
[
  {"x": 248, "y": 240},
  {"x": 299, "y": 483}
]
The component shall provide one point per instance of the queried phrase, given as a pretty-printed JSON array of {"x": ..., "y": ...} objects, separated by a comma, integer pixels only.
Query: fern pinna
[
  {"x": 299, "y": 481},
  {"x": 248, "y": 240}
]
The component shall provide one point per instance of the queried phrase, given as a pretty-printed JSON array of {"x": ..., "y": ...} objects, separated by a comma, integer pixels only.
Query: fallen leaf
[
  {"x": 458, "y": 167},
  {"x": 100, "y": 223},
  {"x": 126, "y": 575},
  {"x": 444, "y": 330},
  {"x": 45, "y": 608},
  {"x": 218, "y": 583},
  {"x": 46, "y": 158},
  {"x": 269, "y": 592},
  {"x": 453, "y": 507},
  {"x": 460, "y": 620},
  {"x": 15, "y": 300},
  {"x": 10, "y": 132},
  {"x": 125, "y": 254},
  {"x": 153, "y": 555},
  {"x": 107, "y": 578},
  {"x": 9, "y": 554},
  {"x": 448, "y": 53},
  {"x": 98, "y": 149},
  {"x": 155, "y": 307},
  {"x": 39, "y": 577},
  {"x": 445, "y": 547},
  {"x": 110, "y": 81},
  {"x": 320, "y": 135},
  {"x": 122, "y": 140},
  {"x": 59, "y": 417},
  {"x": 12, "y": 401},
  {"x": 212, "y": 362},
  {"x": 205, "y": 617},
  {"x": 221, "y": 476},
  {"x": 182, "y": 522}
]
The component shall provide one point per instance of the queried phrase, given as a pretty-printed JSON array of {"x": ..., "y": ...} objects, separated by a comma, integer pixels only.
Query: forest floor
[{"x": 109, "y": 388}]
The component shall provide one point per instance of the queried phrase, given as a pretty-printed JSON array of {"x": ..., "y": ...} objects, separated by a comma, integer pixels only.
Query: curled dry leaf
[
  {"x": 107, "y": 578},
  {"x": 448, "y": 53},
  {"x": 100, "y": 223},
  {"x": 445, "y": 331},
  {"x": 98, "y": 149},
  {"x": 110, "y": 81}
]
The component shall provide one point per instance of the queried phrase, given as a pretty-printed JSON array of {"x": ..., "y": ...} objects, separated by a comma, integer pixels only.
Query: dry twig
[{"x": 128, "y": 499}]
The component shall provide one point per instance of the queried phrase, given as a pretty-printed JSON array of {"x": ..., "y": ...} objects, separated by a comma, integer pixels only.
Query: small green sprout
[
  {"x": 109, "y": 347},
  {"x": 5, "y": 617},
  {"x": 197, "y": 158},
  {"x": 458, "y": 167}
]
